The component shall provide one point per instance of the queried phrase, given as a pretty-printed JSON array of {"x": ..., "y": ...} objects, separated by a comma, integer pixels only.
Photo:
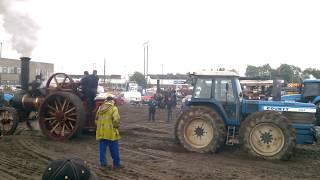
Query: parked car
[
  {"x": 146, "y": 98},
  {"x": 117, "y": 98},
  {"x": 131, "y": 97}
]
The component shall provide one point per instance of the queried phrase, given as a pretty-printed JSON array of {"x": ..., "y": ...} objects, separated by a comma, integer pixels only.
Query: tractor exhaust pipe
[{"x": 24, "y": 76}]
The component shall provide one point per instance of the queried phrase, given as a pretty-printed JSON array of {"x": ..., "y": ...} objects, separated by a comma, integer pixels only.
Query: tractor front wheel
[
  {"x": 201, "y": 129},
  {"x": 268, "y": 135}
]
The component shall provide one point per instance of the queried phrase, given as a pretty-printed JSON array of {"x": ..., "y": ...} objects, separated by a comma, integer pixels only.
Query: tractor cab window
[
  {"x": 202, "y": 89},
  {"x": 224, "y": 90}
]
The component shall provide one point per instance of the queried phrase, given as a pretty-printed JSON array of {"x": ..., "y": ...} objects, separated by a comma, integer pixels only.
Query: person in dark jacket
[
  {"x": 152, "y": 108},
  {"x": 84, "y": 82},
  {"x": 94, "y": 80},
  {"x": 85, "y": 86},
  {"x": 35, "y": 86},
  {"x": 92, "y": 91}
]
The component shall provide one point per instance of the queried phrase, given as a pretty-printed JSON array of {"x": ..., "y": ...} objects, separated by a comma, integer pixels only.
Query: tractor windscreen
[
  {"x": 202, "y": 88},
  {"x": 311, "y": 89}
]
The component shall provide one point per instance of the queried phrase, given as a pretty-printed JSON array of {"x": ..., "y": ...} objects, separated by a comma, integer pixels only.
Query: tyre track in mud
[
  {"x": 134, "y": 162},
  {"x": 135, "y": 159},
  {"x": 145, "y": 156},
  {"x": 143, "y": 162},
  {"x": 16, "y": 161},
  {"x": 35, "y": 150}
]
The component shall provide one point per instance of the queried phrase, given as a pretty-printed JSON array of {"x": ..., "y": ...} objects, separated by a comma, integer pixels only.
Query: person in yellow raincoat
[{"x": 107, "y": 132}]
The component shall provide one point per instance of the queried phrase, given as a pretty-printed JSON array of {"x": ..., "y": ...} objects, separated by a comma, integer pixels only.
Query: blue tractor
[
  {"x": 217, "y": 115},
  {"x": 309, "y": 93}
]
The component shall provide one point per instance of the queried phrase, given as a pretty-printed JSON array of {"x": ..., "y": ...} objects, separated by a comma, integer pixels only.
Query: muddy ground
[{"x": 148, "y": 151}]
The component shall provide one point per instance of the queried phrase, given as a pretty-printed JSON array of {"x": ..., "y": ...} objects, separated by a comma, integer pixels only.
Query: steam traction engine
[{"x": 61, "y": 106}]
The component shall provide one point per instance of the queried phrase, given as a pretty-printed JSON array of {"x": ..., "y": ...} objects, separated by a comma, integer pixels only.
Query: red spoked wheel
[
  {"x": 60, "y": 81},
  {"x": 62, "y": 116}
]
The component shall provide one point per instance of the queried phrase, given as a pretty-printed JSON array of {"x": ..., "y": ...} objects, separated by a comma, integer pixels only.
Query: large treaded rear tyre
[
  {"x": 201, "y": 129},
  {"x": 268, "y": 135}
]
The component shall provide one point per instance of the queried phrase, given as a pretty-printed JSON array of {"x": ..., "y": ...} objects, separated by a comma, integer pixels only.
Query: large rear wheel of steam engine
[
  {"x": 268, "y": 135},
  {"x": 62, "y": 116},
  {"x": 8, "y": 121},
  {"x": 201, "y": 129}
]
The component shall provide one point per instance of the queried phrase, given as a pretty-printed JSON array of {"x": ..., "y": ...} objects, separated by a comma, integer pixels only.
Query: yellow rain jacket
[{"x": 107, "y": 121}]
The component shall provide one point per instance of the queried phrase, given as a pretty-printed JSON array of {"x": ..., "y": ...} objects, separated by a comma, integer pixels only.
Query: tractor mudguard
[
  {"x": 212, "y": 103},
  {"x": 316, "y": 100}
]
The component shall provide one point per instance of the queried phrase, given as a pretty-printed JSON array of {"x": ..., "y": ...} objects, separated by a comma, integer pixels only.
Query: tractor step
[{"x": 232, "y": 135}]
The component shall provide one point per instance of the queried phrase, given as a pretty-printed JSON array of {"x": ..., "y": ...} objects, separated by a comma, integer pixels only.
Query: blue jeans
[{"x": 114, "y": 150}]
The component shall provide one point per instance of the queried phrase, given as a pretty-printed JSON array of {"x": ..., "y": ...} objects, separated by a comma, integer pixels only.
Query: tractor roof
[
  {"x": 312, "y": 81},
  {"x": 215, "y": 73}
]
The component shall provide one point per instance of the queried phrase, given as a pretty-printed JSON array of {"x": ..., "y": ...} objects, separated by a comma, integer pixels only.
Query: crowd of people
[{"x": 166, "y": 99}]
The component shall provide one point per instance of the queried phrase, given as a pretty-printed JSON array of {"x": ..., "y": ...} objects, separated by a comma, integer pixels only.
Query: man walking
[{"x": 107, "y": 132}]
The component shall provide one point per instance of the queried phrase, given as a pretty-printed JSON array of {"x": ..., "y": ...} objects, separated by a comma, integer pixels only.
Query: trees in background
[
  {"x": 289, "y": 73},
  {"x": 312, "y": 71},
  {"x": 259, "y": 71},
  {"x": 139, "y": 79}
]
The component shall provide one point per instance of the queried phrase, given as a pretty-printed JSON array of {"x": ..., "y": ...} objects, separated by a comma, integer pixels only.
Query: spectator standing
[
  {"x": 152, "y": 108},
  {"x": 174, "y": 101},
  {"x": 169, "y": 104}
]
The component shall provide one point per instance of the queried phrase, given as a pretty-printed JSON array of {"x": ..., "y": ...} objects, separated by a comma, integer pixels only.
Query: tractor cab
[{"x": 220, "y": 88}]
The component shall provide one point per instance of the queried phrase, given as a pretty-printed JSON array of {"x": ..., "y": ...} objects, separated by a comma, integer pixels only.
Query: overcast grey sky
[{"x": 184, "y": 35}]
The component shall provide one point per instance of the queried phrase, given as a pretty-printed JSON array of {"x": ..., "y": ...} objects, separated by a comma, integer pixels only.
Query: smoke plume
[
  {"x": 20, "y": 26},
  {"x": 311, "y": 76}
]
